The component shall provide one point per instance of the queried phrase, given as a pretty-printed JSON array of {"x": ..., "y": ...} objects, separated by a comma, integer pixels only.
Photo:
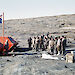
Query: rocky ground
[{"x": 30, "y": 62}]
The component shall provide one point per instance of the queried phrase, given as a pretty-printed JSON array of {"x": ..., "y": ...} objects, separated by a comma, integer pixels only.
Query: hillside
[{"x": 22, "y": 29}]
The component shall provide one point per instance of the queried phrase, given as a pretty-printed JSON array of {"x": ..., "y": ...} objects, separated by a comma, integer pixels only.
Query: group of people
[{"x": 53, "y": 45}]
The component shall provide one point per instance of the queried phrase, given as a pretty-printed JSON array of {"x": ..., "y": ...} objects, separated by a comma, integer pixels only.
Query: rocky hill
[
  {"x": 30, "y": 62},
  {"x": 22, "y": 29}
]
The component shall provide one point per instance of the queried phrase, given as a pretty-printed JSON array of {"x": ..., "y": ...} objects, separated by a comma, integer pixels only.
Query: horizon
[{"x": 40, "y": 16}]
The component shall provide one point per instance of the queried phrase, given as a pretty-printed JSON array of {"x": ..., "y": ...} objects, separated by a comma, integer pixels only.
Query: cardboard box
[{"x": 69, "y": 58}]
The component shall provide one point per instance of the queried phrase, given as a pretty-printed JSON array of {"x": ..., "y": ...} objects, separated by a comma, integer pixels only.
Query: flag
[{"x": 0, "y": 18}]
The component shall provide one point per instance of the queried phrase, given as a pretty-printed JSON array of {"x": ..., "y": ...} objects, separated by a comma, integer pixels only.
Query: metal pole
[
  {"x": 3, "y": 25},
  {"x": 3, "y": 33}
]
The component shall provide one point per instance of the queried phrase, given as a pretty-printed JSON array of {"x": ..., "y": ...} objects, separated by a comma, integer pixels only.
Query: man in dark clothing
[
  {"x": 64, "y": 43},
  {"x": 55, "y": 45},
  {"x": 42, "y": 43},
  {"x": 38, "y": 44},
  {"x": 47, "y": 34},
  {"x": 30, "y": 42}
]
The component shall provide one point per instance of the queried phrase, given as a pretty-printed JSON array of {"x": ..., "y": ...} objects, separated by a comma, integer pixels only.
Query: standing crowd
[{"x": 53, "y": 45}]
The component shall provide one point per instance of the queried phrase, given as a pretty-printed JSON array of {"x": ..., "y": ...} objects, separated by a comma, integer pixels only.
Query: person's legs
[{"x": 58, "y": 49}]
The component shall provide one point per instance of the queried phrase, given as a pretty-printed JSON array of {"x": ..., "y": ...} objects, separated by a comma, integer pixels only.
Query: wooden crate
[{"x": 69, "y": 58}]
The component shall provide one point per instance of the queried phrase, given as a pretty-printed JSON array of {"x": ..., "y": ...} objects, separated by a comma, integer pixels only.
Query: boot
[{"x": 58, "y": 53}]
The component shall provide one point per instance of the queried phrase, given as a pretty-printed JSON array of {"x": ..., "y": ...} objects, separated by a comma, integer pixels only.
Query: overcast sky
[{"x": 15, "y": 9}]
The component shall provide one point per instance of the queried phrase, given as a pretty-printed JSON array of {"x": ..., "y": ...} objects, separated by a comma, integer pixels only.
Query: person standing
[
  {"x": 35, "y": 42},
  {"x": 30, "y": 42},
  {"x": 58, "y": 45},
  {"x": 63, "y": 44},
  {"x": 49, "y": 46},
  {"x": 42, "y": 42},
  {"x": 52, "y": 46},
  {"x": 55, "y": 45},
  {"x": 38, "y": 44}
]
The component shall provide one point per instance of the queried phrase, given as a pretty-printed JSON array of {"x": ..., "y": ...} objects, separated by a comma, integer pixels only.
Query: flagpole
[
  {"x": 3, "y": 32},
  {"x": 3, "y": 25}
]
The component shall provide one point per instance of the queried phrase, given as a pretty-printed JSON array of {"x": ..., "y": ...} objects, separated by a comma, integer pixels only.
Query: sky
[{"x": 19, "y": 9}]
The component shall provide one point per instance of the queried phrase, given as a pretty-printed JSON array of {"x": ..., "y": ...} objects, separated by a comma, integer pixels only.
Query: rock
[
  {"x": 66, "y": 66},
  {"x": 9, "y": 60}
]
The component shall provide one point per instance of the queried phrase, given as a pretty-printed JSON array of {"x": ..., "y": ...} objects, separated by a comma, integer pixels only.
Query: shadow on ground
[{"x": 22, "y": 49}]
